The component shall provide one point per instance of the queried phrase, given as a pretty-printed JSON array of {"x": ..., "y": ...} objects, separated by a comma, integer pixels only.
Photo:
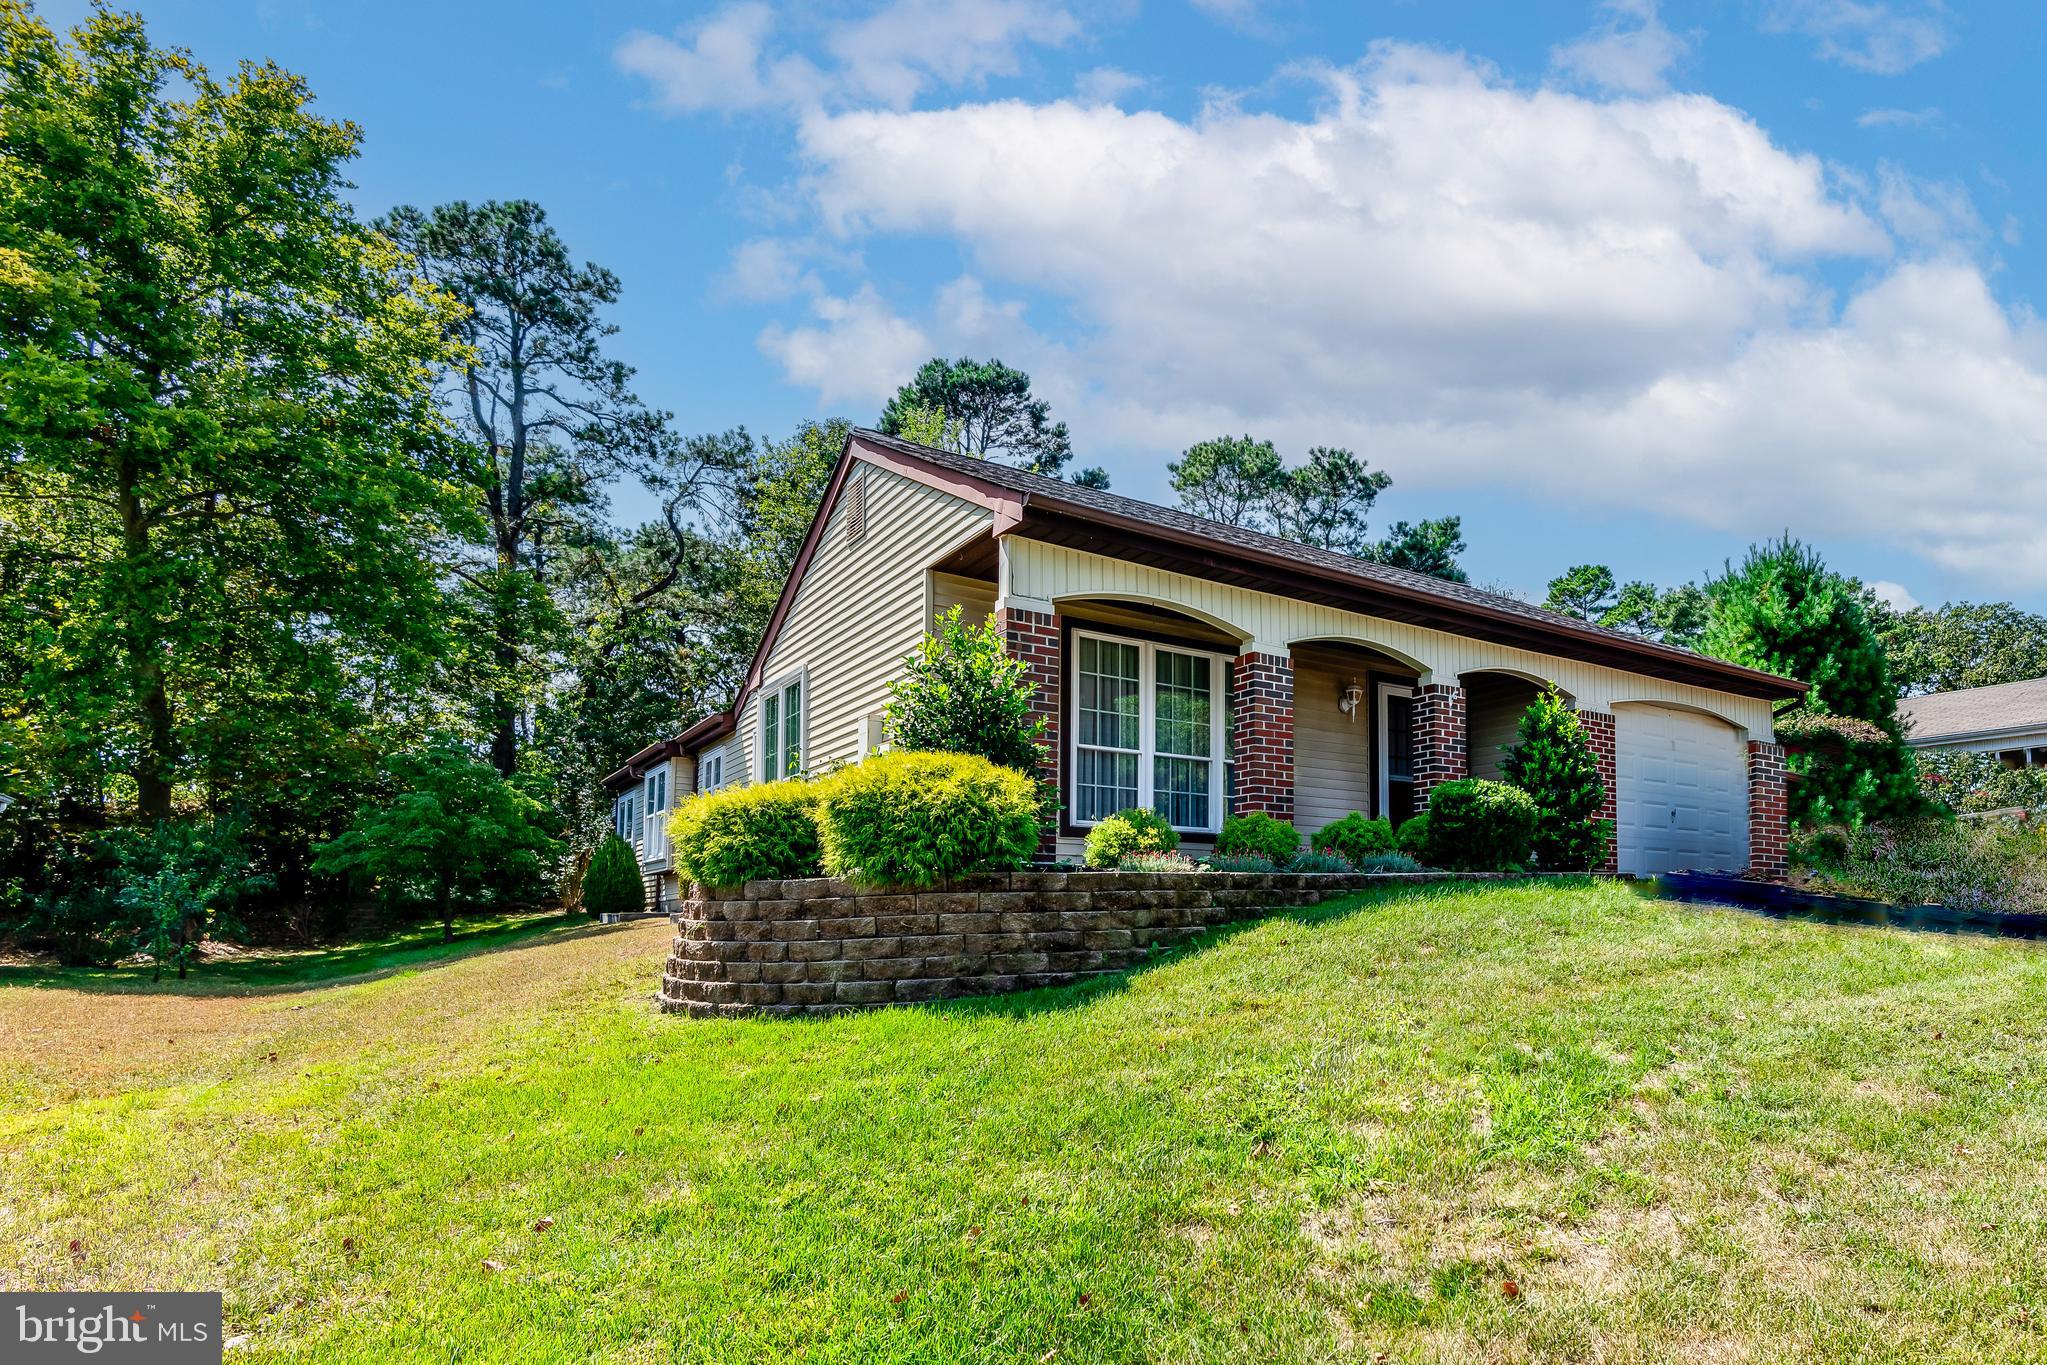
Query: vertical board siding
[
  {"x": 1037, "y": 572},
  {"x": 861, "y": 606}
]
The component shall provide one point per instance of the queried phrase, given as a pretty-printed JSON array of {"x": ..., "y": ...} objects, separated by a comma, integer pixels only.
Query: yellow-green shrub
[
  {"x": 744, "y": 834},
  {"x": 914, "y": 819},
  {"x": 1128, "y": 834}
]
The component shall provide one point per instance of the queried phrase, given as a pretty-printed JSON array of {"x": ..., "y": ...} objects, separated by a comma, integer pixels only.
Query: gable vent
[{"x": 856, "y": 506}]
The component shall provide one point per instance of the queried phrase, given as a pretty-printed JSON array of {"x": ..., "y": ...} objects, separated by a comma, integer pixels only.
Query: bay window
[
  {"x": 656, "y": 845},
  {"x": 626, "y": 817},
  {"x": 1150, "y": 729}
]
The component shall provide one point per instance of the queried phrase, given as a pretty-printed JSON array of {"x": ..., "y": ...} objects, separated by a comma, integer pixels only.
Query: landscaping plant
[
  {"x": 1320, "y": 862},
  {"x": 1257, "y": 832},
  {"x": 961, "y": 693},
  {"x": 179, "y": 884},
  {"x": 1555, "y": 765},
  {"x": 1355, "y": 837},
  {"x": 1239, "y": 862},
  {"x": 915, "y": 819},
  {"x": 1992, "y": 865},
  {"x": 612, "y": 884},
  {"x": 1480, "y": 826},
  {"x": 1126, "y": 834},
  {"x": 1160, "y": 862},
  {"x": 767, "y": 831},
  {"x": 1412, "y": 838}
]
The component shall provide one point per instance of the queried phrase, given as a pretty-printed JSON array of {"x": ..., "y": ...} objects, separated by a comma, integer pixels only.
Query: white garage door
[{"x": 1683, "y": 795}]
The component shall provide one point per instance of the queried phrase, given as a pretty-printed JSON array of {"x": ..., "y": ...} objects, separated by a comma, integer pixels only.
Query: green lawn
[{"x": 1681, "y": 1133}]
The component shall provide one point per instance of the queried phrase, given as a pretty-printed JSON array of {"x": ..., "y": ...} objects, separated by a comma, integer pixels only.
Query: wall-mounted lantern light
[{"x": 1353, "y": 697}]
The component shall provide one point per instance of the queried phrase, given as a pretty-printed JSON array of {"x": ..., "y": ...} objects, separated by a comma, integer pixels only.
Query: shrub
[
  {"x": 1320, "y": 862},
  {"x": 1257, "y": 832},
  {"x": 1126, "y": 834},
  {"x": 1159, "y": 862},
  {"x": 913, "y": 819},
  {"x": 961, "y": 692},
  {"x": 1412, "y": 838},
  {"x": 1389, "y": 862},
  {"x": 1983, "y": 865},
  {"x": 743, "y": 834},
  {"x": 1481, "y": 826},
  {"x": 612, "y": 883},
  {"x": 1354, "y": 837},
  {"x": 1239, "y": 862},
  {"x": 1555, "y": 765}
]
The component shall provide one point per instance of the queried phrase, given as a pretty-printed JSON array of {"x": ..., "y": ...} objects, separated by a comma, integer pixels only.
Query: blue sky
[{"x": 1628, "y": 282}]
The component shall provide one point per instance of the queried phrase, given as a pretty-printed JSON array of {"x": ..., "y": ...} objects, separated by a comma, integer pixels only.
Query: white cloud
[
  {"x": 1883, "y": 37},
  {"x": 1624, "y": 300},
  {"x": 1107, "y": 85},
  {"x": 860, "y": 351},
  {"x": 1900, "y": 118},
  {"x": 733, "y": 61},
  {"x": 1893, "y": 595},
  {"x": 1631, "y": 51}
]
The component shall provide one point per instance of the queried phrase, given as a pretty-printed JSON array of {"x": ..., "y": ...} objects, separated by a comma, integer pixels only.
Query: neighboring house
[
  {"x": 1199, "y": 668},
  {"x": 2007, "y": 719}
]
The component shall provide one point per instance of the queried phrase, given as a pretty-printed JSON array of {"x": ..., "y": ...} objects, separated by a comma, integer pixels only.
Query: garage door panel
[{"x": 1683, "y": 792}]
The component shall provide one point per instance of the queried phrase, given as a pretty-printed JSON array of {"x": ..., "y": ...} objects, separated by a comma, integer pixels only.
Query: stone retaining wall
[{"x": 819, "y": 946}]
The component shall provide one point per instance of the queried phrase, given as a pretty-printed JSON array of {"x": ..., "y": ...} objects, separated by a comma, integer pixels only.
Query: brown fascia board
[{"x": 711, "y": 727}]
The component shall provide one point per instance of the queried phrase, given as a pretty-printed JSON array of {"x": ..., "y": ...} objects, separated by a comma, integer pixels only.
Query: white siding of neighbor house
[
  {"x": 1036, "y": 576},
  {"x": 862, "y": 605},
  {"x": 1332, "y": 753},
  {"x": 975, "y": 597}
]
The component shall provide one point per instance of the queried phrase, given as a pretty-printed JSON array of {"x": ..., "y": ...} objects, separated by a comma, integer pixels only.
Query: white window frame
[
  {"x": 1383, "y": 772},
  {"x": 711, "y": 770},
  {"x": 625, "y": 816},
  {"x": 779, "y": 693},
  {"x": 1219, "y": 712},
  {"x": 654, "y": 812}
]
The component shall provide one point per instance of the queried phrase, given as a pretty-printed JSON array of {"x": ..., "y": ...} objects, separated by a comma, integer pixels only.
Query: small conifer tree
[
  {"x": 611, "y": 884},
  {"x": 1555, "y": 765}
]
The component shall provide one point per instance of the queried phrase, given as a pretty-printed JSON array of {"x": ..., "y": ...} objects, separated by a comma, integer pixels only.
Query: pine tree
[
  {"x": 612, "y": 885},
  {"x": 1555, "y": 765}
]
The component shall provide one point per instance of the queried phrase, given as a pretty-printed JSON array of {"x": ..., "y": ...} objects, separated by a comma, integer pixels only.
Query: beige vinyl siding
[
  {"x": 1492, "y": 721},
  {"x": 862, "y": 605},
  {"x": 1037, "y": 576},
  {"x": 974, "y": 597},
  {"x": 1332, "y": 753}
]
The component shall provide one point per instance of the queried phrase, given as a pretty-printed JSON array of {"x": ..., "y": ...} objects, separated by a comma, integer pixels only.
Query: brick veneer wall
[
  {"x": 1264, "y": 717},
  {"x": 820, "y": 946},
  {"x": 1033, "y": 636},
  {"x": 1439, "y": 739},
  {"x": 1600, "y": 735},
  {"x": 1769, "y": 810}
]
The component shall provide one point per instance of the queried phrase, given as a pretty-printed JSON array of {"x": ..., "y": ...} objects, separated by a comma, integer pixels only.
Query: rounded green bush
[
  {"x": 612, "y": 884},
  {"x": 743, "y": 834},
  {"x": 1412, "y": 838},
  {"x": 1355, "y": 837},
  {"x": 1257, "y": 832},
  {"x": 915, "y": 819},
  {"x": 1126, "y": 834},
  {"x": 1480, "y": 826}
]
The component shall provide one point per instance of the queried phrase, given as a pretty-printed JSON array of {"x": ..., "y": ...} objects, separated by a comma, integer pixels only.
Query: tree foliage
[
  {"x": 612, "y": 884},
  {"x": 988, "y": 412},
  {"x": 1784, "y": 611},
  {"x": 452, "y": 827},
  {"x": 961, "y": 692},
  {"x": 1429, "y": 547},
  {"x": 1960, "y": 644},
  {"x": 1553, "y": 762}
]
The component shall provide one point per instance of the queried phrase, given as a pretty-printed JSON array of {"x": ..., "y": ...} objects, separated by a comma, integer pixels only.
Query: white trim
[
  {"x": 654, "y": 813},
  {"x": 1381, "y": 773},
  {"x": 1147, "y": 725}
]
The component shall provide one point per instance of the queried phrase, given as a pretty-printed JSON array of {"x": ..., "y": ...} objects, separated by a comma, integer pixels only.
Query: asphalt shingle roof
[{"x": 1975, "y": 710}]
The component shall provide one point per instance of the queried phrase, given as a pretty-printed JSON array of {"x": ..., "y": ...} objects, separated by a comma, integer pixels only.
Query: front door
[{"x": 1396, "y": 752}]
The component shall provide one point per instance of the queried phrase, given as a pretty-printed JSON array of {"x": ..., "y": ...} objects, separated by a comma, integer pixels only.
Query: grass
[{"x": 1680, "y": 1133}]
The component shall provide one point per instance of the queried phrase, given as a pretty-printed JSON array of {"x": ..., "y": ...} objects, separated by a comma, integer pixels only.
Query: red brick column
[
  {"x": 1440, "y": 751},
  {"x": 1769, "y": 811},
  {"x": 1599, "y": 734},
  {"x": 1264, "y": 716},
  {"x": 1033, "y": 636}
]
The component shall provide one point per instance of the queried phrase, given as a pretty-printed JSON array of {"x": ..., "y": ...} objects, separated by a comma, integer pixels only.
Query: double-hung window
[
  {"x": 656, "y": 845},
  {"x": 711, "y": 771},
  {"x": 627, "y": 813},
  {"x": 782, "y": 731},
  {"x": 1150, "y": 729}
]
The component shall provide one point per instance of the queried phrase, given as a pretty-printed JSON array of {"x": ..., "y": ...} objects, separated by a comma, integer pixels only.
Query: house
[
  {"x": 2007, "y": 719},
  {"x": 1199, "y": 668}
]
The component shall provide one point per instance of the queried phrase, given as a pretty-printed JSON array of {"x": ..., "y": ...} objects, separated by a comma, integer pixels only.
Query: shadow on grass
[
  {"x": 285, "y": 972},
  {"x": 1085, "y": 992}
]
